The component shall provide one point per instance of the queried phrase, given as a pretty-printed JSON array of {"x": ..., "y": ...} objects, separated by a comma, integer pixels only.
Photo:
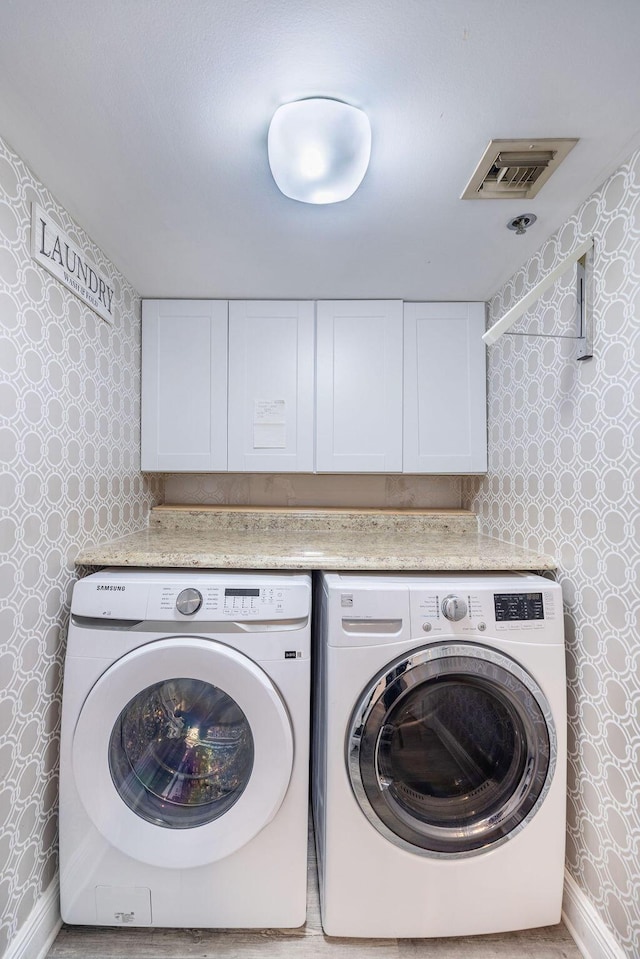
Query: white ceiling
[{"x": 148, "y": 120}]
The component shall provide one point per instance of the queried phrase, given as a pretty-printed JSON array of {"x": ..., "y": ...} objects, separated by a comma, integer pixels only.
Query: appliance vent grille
[{"x": 516, "y": 169}]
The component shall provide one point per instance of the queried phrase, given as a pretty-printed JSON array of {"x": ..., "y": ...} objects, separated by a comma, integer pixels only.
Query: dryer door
[
  {"x": 182, "y": 752},
  {"x": 451, "y": 750}
]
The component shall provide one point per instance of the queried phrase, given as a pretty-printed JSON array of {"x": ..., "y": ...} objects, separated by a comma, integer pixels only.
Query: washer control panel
[
  {"x": 232, "y": 603},
  {"x": 181, "y": 596}
]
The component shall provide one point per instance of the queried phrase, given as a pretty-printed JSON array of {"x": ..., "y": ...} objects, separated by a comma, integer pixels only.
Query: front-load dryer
[
  {"x": 185, "y": 749},
  {"x": 439, "y": 755}
]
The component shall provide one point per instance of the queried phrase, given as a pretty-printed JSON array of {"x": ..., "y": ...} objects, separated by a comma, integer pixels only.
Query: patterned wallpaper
[
  {"x": 69, "y": 475},
  {"x": 564, "y": 477}
]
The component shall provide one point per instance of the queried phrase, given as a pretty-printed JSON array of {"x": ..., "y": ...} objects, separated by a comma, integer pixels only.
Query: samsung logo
[{"x": 119, "y": 588}]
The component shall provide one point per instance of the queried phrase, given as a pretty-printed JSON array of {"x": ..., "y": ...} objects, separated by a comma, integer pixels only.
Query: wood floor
[{"x": 309, "y": 942}]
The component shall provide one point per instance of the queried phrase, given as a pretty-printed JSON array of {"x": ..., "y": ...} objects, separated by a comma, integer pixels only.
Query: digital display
[
  {"x": 238, "y": 591},
  {"x": 518, "y": 606}
]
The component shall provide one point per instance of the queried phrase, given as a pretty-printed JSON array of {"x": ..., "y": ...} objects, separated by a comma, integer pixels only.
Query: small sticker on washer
[
  {"x": 292, "y": 654},
  {"x": 346, "y": 599}
]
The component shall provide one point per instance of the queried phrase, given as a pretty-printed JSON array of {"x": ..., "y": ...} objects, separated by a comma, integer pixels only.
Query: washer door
[
  {"x": 451, "y": 750},
  {"x": 182, "y": 752}
]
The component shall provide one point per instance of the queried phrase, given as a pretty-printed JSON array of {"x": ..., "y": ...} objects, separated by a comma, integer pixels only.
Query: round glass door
[
  {"x": 181, "y": 753},
  {"x": 451, "y": 750}
]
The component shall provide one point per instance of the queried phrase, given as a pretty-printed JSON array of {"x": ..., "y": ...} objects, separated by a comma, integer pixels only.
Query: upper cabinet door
[
  {"x": 445, "y": 425},
  {"x": 184, "y": 385},
  {"x": 271, "y": 374},
  {"x": 359, "y": 386}
]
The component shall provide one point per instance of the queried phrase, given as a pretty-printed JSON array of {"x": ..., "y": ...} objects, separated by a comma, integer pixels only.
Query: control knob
[
  {"x": 454, "y": 608},
  {"x": 189, "y": 601}
]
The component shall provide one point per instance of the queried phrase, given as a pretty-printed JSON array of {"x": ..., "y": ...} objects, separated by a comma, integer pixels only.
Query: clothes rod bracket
[{"x": 583, "y": 256}]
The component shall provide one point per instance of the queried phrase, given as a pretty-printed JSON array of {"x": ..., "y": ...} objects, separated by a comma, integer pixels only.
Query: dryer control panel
[
  {"x": 375, "y": 608},
  {"x": 478, "y": 609}
]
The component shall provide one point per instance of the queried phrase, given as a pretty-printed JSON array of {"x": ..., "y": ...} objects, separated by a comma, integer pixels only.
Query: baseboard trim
[
  {"x": 35, "y": 937},
  {"x": 591, "y": 935}
]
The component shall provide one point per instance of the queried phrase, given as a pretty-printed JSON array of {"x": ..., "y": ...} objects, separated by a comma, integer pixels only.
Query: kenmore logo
[{"x": 121, "y": 588}]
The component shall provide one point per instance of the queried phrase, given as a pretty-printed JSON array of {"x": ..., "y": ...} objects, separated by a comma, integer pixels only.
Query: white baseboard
[
  {"x": 591, "y": 935},
  {"x": 35, "y": 937}
]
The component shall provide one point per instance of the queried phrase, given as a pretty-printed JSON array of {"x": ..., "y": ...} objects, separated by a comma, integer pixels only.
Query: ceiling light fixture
[{"x": 319, "y": 149}]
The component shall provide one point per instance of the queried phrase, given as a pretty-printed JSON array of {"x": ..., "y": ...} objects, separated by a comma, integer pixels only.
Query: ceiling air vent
[{"x": 515, "y": 169}]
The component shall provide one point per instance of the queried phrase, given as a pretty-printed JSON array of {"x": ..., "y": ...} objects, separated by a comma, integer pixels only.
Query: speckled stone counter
[{"x": 254, "y": 538}]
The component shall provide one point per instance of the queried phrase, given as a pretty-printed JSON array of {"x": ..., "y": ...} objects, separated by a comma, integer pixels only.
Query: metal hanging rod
[
  {"x": 584, "y": 298},
  {"x": 547, "y": 336}
]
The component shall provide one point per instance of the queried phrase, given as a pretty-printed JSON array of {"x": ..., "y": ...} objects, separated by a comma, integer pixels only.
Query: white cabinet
[
  {"x": 355, "y": 386},
  {"x": 445, "y": 429},
  {"x": 271, "y": 375},
  {"x": 359, "y": 386},
  {"x": 184, "y": 385}
]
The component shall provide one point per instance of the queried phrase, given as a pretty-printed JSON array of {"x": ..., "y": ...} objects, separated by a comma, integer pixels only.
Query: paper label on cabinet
[{"x": 269, "y": 425}]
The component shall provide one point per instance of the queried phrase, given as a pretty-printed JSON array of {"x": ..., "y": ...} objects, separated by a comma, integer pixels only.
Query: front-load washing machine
[
  {"x": 185, "y": 749},
  {"x": 439, "y": 753}
]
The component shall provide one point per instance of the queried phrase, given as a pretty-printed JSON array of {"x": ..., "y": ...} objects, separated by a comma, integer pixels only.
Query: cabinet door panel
[
  {"x": 271, "y": 386},
  {"x": 444, "y": 388},
  {"x": 184, "y": 385},
  {"x": 359, "y": 386}
]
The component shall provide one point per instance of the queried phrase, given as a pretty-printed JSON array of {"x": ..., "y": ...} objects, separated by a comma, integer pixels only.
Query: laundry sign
[{"x": 53, "y": 250}]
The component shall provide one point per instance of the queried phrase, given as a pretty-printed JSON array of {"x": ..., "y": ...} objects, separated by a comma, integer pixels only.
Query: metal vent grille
[{"x": 516, "y": 169}]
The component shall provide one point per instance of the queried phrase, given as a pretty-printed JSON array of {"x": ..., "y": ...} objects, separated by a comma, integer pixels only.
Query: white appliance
[
  {"x": 439, "y": 753},
  {"x": 185, "y": 749}
]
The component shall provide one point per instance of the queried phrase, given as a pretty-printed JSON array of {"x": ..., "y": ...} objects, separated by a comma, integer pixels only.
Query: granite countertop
[{"x": 254, "y": 538}]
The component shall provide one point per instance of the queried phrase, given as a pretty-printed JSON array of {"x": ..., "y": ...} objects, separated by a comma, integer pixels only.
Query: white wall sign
[{"x": 54, "y": 251}]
